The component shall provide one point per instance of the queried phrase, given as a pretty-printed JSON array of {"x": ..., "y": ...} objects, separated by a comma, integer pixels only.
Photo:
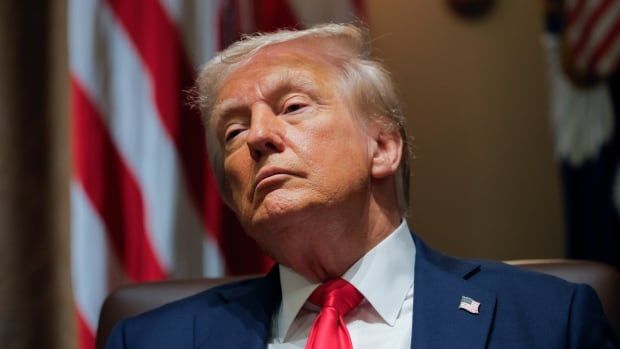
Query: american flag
[
  {"x": 144, "y": 203},
  {"x": 593, "y": 35},
  {"x": 469, "y": 305}
]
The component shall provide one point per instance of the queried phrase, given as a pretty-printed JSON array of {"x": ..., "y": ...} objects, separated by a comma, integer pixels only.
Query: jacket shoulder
[
  {"x": 570, "y": 311},
  {"x": 503, "y": 277},
  {"x": 172, "y": 324},
  {"x": 197, "y": 303}
]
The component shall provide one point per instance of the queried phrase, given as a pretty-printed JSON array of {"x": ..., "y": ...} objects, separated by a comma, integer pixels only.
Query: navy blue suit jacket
[{"x": 518, "y": 309}]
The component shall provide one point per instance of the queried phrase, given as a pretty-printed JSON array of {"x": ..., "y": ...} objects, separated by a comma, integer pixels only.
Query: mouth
[{"x": 270, "y": 174}]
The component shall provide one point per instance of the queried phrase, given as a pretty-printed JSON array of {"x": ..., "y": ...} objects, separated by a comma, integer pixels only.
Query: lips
[{"x": 268, "y": 172}]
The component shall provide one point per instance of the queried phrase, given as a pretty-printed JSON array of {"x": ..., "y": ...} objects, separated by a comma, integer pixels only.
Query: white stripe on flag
[
  {"x": 94, "y": 269},
  {"x": 198, "y": 23},
  {"x": 85, "y": 48},
  {"x": 213, "y": 261}
]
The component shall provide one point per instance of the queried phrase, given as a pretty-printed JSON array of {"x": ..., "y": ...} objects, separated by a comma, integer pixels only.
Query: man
[{"x": 310, "y": 151}]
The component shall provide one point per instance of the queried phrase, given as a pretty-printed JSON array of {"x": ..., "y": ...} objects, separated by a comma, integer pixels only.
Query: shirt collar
[
  {"x": 295, "y": 290},
  {"x": 384, "y": 275}
]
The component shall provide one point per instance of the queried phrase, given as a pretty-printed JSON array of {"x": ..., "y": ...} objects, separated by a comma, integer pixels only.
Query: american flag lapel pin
[{"x": 469, "y": 305}]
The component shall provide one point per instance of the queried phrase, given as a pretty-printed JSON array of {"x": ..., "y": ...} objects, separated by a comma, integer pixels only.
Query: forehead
[{"x": 292, "y": 64}]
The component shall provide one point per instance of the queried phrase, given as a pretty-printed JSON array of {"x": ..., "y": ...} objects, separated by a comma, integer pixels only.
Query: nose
[{"x": 265, "y": 135}]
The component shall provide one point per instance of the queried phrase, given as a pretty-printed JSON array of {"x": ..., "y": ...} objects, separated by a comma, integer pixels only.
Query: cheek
[
  {"x": 343, "y": 151},
  {"x": 238, "y": 174}
]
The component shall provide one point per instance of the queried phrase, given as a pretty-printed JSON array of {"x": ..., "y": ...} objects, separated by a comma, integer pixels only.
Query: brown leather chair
[{"x": 135, "y": 299}]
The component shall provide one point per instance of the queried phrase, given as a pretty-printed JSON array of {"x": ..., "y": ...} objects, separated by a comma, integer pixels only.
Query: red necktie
[{"x": 329, "y": 331}]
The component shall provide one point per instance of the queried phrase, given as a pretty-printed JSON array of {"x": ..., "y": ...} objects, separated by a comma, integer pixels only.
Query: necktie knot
[
  {"x": 336, "y": 298},
  {"x": 337, "y": 294}
]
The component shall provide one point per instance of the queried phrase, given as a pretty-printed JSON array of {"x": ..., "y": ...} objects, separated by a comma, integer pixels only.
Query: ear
[{"x": 387, "y": 153}]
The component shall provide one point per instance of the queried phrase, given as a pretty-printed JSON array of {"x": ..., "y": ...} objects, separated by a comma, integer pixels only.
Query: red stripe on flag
[
  {"x": 228, "y": 23},
  {"x": 111, "y": 188},
  {"x": 575, "y": 12},
  {"x": 584, "y": 35},
  {"x": 160, "y": 47},
  {"x": 270, "y": 15},
  {"x": 360, "y": 9},
  {"x": 603, "y": 47},
  {"x": 86, "y": 338}
]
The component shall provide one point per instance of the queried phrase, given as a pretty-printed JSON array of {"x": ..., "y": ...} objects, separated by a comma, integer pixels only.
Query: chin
[
  {"x": 277, "y": 203},
  {"x": 277, "y": 214},
  {"x": 280, "y": 209}
]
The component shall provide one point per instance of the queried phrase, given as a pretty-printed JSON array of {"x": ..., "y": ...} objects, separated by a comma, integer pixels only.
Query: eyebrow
[
  {"x": 297, "y": 82},
  {"x": 226, "y": 107}
]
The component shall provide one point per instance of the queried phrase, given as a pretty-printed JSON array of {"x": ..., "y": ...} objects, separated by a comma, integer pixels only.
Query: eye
[
  {"x": 294, "y": 107},
  {"x": 231, "y": 133}
]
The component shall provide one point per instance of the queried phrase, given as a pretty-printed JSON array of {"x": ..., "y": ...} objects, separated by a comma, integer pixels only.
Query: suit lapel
[
  {"x": 439, "y": 284},
  {"x": 244, "y": 319}
]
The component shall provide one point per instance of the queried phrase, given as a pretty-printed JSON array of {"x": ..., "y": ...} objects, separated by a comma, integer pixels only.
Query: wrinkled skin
[{"x": 309, "y": 182}]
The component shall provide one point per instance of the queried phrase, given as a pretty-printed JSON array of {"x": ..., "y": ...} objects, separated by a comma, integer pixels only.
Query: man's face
[{"x": 293, "y": 152}]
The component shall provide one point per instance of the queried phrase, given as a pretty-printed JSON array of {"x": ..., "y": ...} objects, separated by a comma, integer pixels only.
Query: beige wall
[{"x": 484, "y": 179}]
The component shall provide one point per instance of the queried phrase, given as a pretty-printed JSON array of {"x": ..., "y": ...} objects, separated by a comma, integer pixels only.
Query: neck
[{"x": 331, "y": 248}]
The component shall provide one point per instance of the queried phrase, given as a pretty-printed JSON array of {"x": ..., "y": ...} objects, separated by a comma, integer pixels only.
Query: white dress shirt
[{"x": 384, "y": 276}]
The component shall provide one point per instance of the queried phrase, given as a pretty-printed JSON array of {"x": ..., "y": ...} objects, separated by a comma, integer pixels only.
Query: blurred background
[{"x": 103, "y": 174}]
